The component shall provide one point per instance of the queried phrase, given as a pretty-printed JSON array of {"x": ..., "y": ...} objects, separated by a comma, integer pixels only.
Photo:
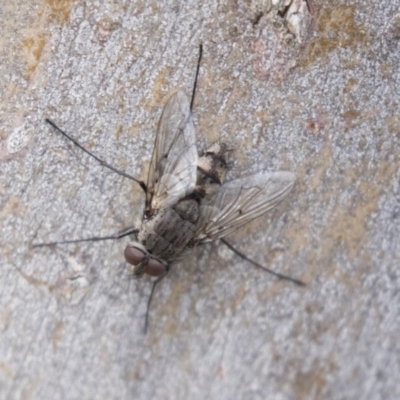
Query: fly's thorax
[
  {"x": 211, "y": 170},
  {"x": 166, "y": 234},
  {"x": 188, "y": 209},
  {"x": 142, "y": 262}
]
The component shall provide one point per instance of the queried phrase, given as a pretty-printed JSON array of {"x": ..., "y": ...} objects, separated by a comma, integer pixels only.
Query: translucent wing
[
  {"x": 240, "y": 201},
  {"x": 172, "y": 174}
]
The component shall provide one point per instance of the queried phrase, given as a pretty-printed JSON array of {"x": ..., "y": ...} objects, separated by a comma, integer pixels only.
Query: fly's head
[{"x": 142, "y": 262}]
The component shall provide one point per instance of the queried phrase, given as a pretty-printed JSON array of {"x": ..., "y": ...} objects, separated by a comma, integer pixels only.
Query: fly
[{"x": 187, "y": 201}]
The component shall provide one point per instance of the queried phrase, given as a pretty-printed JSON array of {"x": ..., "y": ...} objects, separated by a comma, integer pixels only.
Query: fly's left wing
[
  {"x": 240, "y": 201},
  {"x": 172, "y": 174}
]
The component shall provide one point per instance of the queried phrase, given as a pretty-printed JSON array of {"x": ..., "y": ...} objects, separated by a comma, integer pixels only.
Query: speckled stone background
[{"x": 324, "y": 105}]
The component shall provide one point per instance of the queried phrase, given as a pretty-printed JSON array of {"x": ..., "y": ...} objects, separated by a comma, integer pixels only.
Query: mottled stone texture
[{"x": 325, "y": 107}]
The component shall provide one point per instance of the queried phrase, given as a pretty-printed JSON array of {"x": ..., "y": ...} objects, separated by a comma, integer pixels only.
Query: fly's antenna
[
  {"x": 103, "y": 163},
  {"x": 196, "y": 76}
]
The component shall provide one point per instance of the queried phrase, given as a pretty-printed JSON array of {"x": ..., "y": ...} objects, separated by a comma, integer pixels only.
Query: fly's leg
[
  {"x": 278, "y": 275},
  {"x": 196, "y": 76},
  {"x": 156, "y": 282},
  {"x": 103, "y": 163},
  {"x": 127, "y": 232}
]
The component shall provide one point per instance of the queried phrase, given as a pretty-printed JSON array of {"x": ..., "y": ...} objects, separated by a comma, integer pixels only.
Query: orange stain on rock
[
  {"x": 336, "y": 27},
  {"x": 34, "y": 48},
  {"x": 59, "y": 10}
]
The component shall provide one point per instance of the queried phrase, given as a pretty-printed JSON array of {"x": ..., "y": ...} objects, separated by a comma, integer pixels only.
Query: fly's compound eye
[
  {"x": 133, "y": 255},
  {"x": 155, "y": 268}
]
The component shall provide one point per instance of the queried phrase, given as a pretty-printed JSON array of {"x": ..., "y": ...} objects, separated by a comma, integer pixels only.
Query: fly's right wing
[
  {"x": 173, "y": 168},
  {"x": 240, "y": 201}
]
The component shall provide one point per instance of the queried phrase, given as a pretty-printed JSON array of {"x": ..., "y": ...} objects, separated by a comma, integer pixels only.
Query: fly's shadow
[{"x": 187, "y": 201}]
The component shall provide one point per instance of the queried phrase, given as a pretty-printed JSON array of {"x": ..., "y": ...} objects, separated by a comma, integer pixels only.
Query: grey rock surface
[{"x": 320, "y": 99}]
